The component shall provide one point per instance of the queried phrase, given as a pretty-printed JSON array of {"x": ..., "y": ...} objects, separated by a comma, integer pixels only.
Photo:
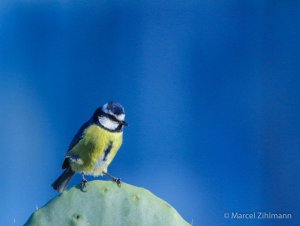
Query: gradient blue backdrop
[{"x": 211, "y": 91}]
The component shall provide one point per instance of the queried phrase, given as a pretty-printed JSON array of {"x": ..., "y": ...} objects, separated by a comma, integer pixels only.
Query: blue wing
[{"x": 75, "y": 141}]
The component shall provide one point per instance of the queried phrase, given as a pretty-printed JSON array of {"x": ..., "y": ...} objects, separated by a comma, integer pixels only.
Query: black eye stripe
[{"x": 111, "y": 117}]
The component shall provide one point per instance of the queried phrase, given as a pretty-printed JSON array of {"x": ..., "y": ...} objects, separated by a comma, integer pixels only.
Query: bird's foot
[
  {"x": 114, "y": 179},
  {"x": 117, "y": 181},
  {"x": 83, "y": 183}
]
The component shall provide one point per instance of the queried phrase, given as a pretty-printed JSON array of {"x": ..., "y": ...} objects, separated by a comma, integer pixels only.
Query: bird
[{"x": 94, "y": 146}]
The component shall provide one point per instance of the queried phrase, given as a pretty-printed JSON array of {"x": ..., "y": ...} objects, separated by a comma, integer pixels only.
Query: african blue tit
[{"x": 94, "y": 146}]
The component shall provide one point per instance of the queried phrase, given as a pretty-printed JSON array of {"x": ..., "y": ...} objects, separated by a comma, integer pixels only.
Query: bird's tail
[{"x": 63, "y": 180}]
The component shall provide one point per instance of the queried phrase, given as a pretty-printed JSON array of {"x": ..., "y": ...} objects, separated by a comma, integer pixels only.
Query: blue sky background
[{"x": 211, "y": 91}]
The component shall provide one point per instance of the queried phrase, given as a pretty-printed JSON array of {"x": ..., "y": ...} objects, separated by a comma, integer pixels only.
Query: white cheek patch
[
  {"x": 120, "y": 117},
  {"x": 108, "y": 123}
]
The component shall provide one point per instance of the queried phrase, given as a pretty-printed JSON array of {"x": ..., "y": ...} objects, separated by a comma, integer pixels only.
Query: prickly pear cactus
[{"x": 105, "y": 203}]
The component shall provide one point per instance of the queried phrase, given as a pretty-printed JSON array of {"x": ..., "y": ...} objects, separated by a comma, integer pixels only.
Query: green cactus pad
[{"x": 105, "y": 203}]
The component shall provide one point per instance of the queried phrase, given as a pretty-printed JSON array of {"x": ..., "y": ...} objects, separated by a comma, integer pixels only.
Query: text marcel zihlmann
[{"x": 260, "y": 215}]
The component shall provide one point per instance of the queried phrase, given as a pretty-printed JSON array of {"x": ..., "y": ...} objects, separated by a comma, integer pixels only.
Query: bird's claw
[
  {"x": 83, "y": 184},
  {"x": 114, "y": 179},
  {"x": 117, "y": 181}
]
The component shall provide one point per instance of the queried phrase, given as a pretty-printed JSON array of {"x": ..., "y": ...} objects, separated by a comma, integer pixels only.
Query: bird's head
[{"x": 111, "y": 116}]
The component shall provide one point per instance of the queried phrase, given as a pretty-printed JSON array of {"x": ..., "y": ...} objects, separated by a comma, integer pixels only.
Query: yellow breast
[{"x": 95, "y": 150}]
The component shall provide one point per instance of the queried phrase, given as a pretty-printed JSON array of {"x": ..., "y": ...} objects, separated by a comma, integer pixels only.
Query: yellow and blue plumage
[
  {"x": 94, "y": 146},
  {"x": 95, "y": 150}
]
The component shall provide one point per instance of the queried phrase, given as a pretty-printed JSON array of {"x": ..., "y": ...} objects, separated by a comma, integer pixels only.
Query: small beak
[{"x": 123, "y": 123}]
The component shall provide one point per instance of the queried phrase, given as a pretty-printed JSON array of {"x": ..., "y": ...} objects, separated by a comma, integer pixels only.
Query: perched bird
[{"x": 94, "y": 146}]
